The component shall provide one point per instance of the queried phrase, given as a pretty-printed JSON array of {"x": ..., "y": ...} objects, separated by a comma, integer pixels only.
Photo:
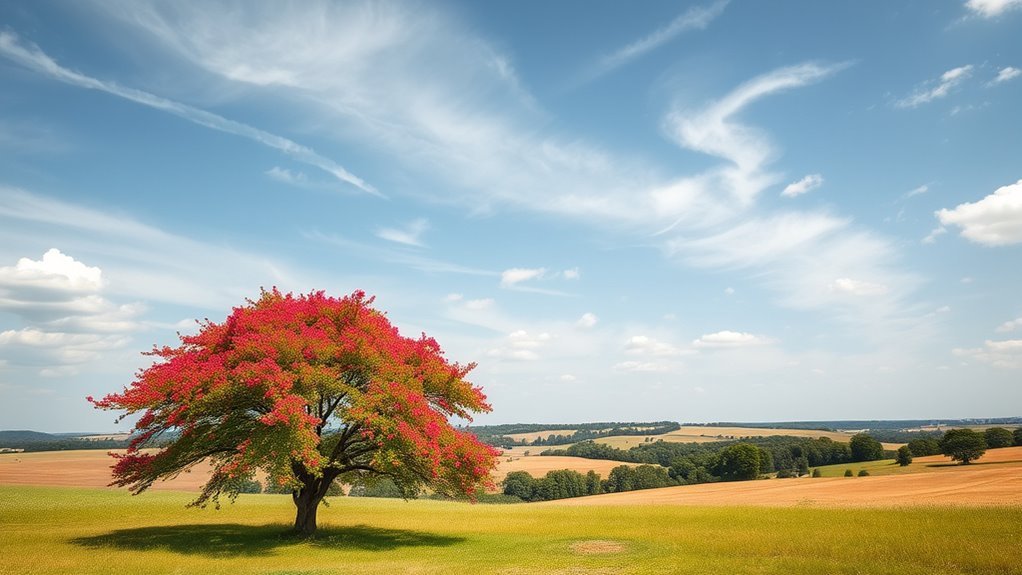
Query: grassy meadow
[
  {"x": 76, "y": 530},
  {"x": 1002, "y": 457}
]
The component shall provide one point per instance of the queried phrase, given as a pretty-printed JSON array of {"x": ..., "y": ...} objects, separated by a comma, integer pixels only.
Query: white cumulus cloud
[
  {"x": 641, "y": 366},
  {"x": 1005, "y": 353},
  {"x": 857, "y": 287},
  {"x": 992, "y": 8},
  {"x": 514, "y": 276},
  {"x": 521, "y": 345},
  {"x": 996, "y": 220},
  {"x": 587, "y": 320},
  {"x": 55, "y": 270},
  {"x": 730, "y": 339},
  {"x": 645, "y": 345}
]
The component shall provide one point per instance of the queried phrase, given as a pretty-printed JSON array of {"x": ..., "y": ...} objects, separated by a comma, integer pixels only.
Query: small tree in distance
[
  {"x": 865, "y": 448},
  {"x": 1017, "y": 435},
  {"x": 904, "y": 456},
  {"x": 308, "y": 389},
  {"x": 964, "y": 445},
  {"x": 998, "y": 437}
]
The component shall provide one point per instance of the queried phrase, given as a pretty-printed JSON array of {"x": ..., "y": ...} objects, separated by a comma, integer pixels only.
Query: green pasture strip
[
  {"x": 880, "y": 467},
  {"x": 67, "y": 530}
]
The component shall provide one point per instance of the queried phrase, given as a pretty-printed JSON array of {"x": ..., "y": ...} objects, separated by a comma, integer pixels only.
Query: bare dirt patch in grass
[{"x": 597, "y": 547}]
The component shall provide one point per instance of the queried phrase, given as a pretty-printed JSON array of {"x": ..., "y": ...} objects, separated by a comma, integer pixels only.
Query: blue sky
[{"x": 689, "y": 211}]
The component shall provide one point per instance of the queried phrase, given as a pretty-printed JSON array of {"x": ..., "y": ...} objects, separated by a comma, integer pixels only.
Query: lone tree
[
  {"x": 904, "y": 456},
  {"x": 963, "y": 445},
  {"x": 309, "y": 390}
]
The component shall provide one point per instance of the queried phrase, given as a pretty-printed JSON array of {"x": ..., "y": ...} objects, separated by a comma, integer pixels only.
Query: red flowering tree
[{"x": 308, "y": 390}]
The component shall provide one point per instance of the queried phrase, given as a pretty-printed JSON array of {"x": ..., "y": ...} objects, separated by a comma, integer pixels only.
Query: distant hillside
[
  {"x": 38, "y": 441},
  {"x": 17, "y": 438},
  {"x": 871, "y": 424}
]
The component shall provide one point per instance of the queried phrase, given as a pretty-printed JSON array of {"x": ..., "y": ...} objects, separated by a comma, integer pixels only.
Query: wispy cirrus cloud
[
  {"x": 470, "y": 127},
  {"x": 716, "y": 131},
  {"x": 32, "y": 57},
  {"x": 1009, "y": 326},
  {"x": 1005, "y": 74},
  {"x": 936, "y": 89},
  {"x": 396, "y": 256},
  {"x": 803, "y": 186},
  {"x": 695, "y": 18},
  {"x": 409, "y": 235}
]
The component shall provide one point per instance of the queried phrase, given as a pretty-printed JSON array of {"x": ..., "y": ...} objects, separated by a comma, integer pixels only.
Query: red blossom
[{"x": 256, "y": 386}]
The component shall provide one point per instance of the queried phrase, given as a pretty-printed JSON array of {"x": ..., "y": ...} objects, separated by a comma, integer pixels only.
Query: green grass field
[
  {"x": 66, "y": 530},
  {"x": 880, "y": 467}
]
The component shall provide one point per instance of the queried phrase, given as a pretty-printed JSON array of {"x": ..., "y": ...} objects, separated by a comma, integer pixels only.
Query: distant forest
[
  {"x": 37, "y": 441},
  {"x": 865, "y": 424},
  {"x": 497, "y": 435}
]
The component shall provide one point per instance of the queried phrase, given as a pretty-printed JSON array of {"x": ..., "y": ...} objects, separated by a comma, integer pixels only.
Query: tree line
[
  {"x": 703, "y": 462},
  {"x": 497, "y": 435}
]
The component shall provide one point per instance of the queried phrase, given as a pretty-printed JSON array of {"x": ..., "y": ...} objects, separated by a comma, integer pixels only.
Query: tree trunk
[{"x": 307, "y": 503}]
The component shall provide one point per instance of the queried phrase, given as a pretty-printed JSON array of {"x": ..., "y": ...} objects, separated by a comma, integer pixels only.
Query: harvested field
[
  {"x": 533, "y": 435},
  {"x": 91, "y": 468},
  {"x": 705, "y": 434},
  {"x": 997, "y": 481},
  {"x": 539, "y": 466},
  {"x": 81, "y": 468},
  {"x": 526, "y": 450}
]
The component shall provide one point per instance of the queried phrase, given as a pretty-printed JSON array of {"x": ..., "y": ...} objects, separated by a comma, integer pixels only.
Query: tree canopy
[
  {"x": 963, "y": 445},
  {"x": 865, "y": 448},
  {"x": 904, "y": 456},
  {"x": 998, "y": 437},
  {"x": 738, "y": 462},
  {"x": 309, "y": 390}
]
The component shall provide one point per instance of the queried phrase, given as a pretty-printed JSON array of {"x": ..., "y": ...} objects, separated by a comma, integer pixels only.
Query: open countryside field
[
  {"x": 997, "y": 482},
  {"x": 532, "y": 436},
  {"x": 539, "y": 466},
  {"x": 1006, "y": 456},
  {"x": 86, "y": 531},
  {"x": 704, "y": 434},
  {"x": 91, "y": 468},
  {"x": 82, "y": 468}
]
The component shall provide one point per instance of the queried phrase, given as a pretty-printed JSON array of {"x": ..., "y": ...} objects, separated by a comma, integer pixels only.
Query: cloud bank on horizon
[{"x": 694, "y": 230}]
